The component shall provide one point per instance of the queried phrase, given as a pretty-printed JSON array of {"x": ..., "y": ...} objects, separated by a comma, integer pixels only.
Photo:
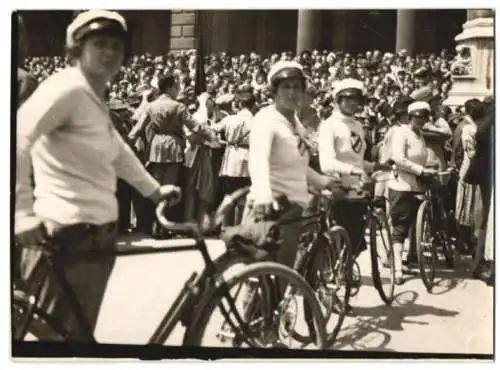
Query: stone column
[
  {"x": 478, "y": 36},
  {"x": 308, "y": 30},
  {"x": 405, "y": 30}
]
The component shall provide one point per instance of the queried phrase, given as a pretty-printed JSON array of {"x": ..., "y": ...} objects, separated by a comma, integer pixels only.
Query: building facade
[{"x": 266, "y": 31}]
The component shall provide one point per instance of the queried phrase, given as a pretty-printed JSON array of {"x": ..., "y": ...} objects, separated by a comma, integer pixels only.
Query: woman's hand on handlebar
[
  {"x": 263, "y": 209},
  {"x": 429, "y": 172},
  {"x": 170, "y": 193},
  {"x": 356, "y": 171},
  {"x": 333, "y": 188},
  {"x": 382, "y": 167}
]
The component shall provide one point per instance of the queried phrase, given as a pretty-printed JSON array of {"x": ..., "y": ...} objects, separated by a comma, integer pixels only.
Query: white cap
[
  {"x": 281, "y": 65},
  {"x": 224, "y": 99},
  {"x": 418, "y": 105},
  {"x": 348, "y": 83},
  {"x": 87, "y": 17}
]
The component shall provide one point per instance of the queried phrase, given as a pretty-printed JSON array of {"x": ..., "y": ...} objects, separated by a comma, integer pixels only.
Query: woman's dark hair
[
  {"x": 474, "y": 108},
  {"x": 166, "y": 82}
]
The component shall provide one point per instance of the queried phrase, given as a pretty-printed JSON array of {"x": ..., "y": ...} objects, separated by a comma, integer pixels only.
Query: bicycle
[
  {"x": 381, "y": 254},
  {"x": 210, "y": 289},
  {"x": 431, "y": 230},
  {"x": 324, "y": 260}
]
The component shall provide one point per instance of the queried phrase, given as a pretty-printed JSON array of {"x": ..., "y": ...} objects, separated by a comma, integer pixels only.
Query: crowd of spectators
[{"x": 386, "y": 76}]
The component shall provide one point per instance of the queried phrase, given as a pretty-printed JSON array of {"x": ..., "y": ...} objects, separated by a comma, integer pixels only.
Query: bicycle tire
[
  {"x": 341, "y": 236},
  {"x": 424, "y": 246},
  {"x": 446, "y": 246},
  {"x": 194, "y": 333},
  {"x": 222, "y": 264},
  {"x": 379, "y": 219},
  {"x": 319, "y": 283}
]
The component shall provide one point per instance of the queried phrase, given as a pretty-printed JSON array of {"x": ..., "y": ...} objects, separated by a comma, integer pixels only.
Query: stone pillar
[
  {"x": 220, "y": 31},
  {"x": 308, "y": 30},
  {"x": 405, "y": 30},
  {"x": 262, "y": 32},
  {"x": 478, "y": 37},
  {"x": 340, "y": 20}
]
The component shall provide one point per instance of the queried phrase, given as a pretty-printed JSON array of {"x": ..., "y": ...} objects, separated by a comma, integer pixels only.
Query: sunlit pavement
[{"x": 456, "y": 318}]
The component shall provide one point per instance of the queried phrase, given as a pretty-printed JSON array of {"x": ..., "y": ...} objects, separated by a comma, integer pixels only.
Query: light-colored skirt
[
  {"x": 201, "y": 175},
  {"x": 465, "y": 203}
]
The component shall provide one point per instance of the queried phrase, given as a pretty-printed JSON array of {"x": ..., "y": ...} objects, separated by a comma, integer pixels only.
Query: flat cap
[
  {"x": 90, "y": 18},
  {"x": 348, "y": 84},
  {"x": 423, "y": 94},
  {"x": 224, "y": 99},
  {"x": 280, "y": 66},
  {"x": 418, "y": 106}
]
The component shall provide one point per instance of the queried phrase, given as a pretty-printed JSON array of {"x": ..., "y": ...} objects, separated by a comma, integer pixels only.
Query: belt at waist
[
  {"x": 81, "y": 229},
  {"x": 245, "y": 146}
]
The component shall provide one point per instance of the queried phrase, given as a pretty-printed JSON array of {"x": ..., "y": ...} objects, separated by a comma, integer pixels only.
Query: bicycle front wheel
[
  {"x": 30, "y": 324},
  {"x": 261, "y": 306},
  {"x": 382, "y": 257},
  {"x": 424, "y": 242}
]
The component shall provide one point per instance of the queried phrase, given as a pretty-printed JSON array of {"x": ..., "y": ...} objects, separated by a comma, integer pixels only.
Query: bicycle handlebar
[{"x": 210, "y": 223}]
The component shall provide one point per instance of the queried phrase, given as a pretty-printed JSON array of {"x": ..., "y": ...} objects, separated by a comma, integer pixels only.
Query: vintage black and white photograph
[{"x": 287, "y": 183}]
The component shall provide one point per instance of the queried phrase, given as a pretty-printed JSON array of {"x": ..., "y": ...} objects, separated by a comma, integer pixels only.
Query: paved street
[{"x": 457, "y": 318}]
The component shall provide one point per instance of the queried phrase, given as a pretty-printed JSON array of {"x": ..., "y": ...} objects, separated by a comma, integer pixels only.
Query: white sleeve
[
  {"x": 327, "y": 140},
  {"x": 398, "y": 152},
  {"x": 45, "y": 110}
]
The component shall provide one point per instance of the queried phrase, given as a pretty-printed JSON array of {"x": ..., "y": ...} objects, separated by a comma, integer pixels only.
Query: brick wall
[{"x": 182, "y": 30}]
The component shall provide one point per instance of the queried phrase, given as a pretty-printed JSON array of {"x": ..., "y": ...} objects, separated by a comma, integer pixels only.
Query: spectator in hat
[
  {"x": 200, "y": 184},
  {"x": 436, "y": 133},
  {"x": 371, "y": 107},
  {"x": 466, "y": 192},
  {"x": 480, "y": 173},
  {"x": 234, "y": 168},
  {"x": 121, "y": 118},
  {"x": 164, "y": 121}
]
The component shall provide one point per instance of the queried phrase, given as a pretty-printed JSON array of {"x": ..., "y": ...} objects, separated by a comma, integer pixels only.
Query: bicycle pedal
[
  {"x": 225, "y": 335},
  {"x": 331, "y": 286}
]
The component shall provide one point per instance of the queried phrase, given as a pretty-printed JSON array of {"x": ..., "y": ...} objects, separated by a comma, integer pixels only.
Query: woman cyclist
[
  {"x": 278, "y": 157},
  {"x": 409, "y": 153},
  {"x": 342, "y": 148},
  {"x": 66, "y": 130}
]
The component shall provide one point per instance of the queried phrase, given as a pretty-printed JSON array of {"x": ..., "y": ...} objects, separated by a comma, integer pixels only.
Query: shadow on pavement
[
  {"x": 370, "y": 331},
  {"x": 448, "y": 279}
]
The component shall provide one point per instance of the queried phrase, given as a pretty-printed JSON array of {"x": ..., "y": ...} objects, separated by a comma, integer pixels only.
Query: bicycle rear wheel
[
  {"x": 382, "y": 257},
  {"x": 445, "y": 238},
  {"x": 424, "y": 240},
  {"x": 263, "y": 316}
]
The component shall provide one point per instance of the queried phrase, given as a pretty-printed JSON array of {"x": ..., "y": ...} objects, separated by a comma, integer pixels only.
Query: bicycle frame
[
  {"x": 435, "y": 202},
  {"x": 55, "y": 260}
]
